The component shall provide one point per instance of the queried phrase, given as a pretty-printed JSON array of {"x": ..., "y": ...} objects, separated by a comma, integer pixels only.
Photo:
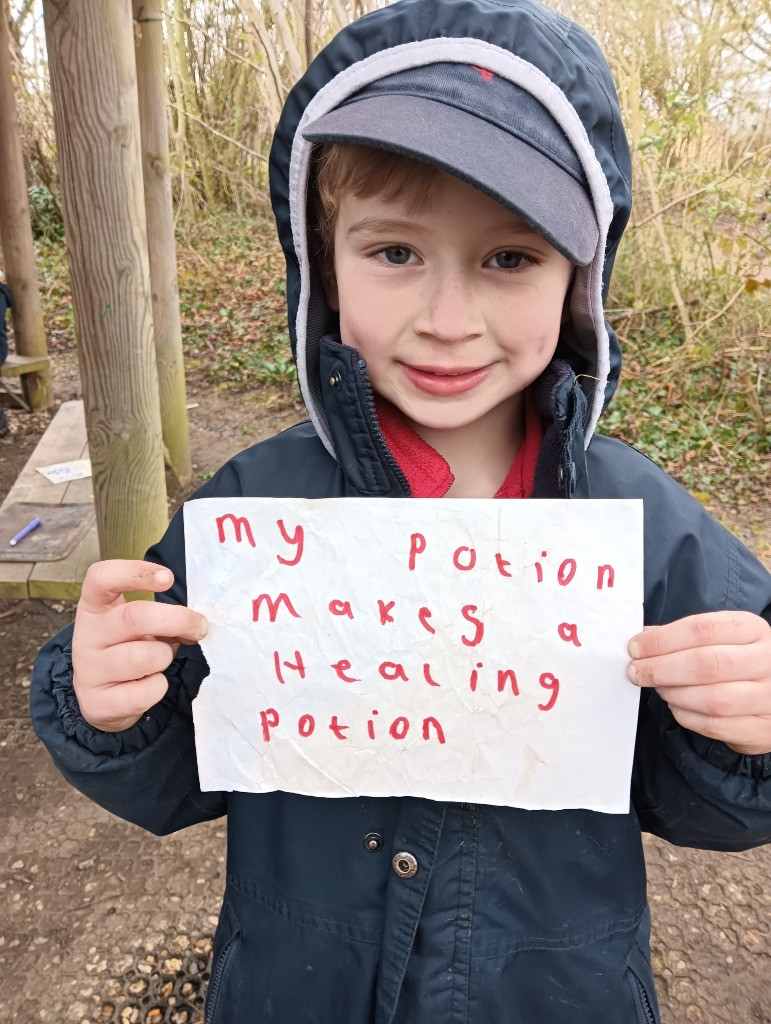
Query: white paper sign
[
  {"x": 466, "y": 650},
  {"x": 64, "y": 472}
]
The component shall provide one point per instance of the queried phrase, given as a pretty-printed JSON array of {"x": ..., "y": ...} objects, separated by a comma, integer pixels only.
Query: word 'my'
[{"x": 463, "y": 558}]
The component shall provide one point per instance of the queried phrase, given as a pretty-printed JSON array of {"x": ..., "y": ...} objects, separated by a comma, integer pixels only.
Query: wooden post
[
  {"x": 96, "y": 116},
  {"x": 16, "y": 234},
  {"x": 154, "y": 123}
]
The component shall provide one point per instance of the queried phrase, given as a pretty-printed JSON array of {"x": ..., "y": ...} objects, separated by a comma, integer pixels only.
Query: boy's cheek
[{"x": 369, "y": 321}]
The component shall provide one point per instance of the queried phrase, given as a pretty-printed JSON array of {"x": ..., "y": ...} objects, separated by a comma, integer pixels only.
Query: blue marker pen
[{"x": 27, "y": 529}]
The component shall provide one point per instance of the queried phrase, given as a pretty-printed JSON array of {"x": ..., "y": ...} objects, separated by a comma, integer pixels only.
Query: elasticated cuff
[
  {"x": 751, "y": 766},
  {"x": 139, "y": 736}
]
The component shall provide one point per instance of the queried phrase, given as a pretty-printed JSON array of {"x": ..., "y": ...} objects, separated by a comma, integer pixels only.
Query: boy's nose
[{"x": 449, "y": 310}]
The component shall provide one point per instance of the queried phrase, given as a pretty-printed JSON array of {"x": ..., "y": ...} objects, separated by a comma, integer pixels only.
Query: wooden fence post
[
  {"x": 16, "y": 233},
  {"x": 167, "y": 326},
  {"x": 96, "y": 116}
]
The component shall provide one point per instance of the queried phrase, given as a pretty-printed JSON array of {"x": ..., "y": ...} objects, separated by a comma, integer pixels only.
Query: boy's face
[{"x": 456, "y": 308}]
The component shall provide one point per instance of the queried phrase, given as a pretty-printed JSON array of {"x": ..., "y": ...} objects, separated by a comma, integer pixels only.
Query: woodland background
[{"x": 691, "y": 294}]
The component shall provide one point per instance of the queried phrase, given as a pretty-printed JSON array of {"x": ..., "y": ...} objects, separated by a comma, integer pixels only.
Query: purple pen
[{"x": 27, "y": 529}]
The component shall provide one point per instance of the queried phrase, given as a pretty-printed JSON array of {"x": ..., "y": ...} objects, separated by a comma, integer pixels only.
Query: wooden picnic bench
[
  {"x": 21, "y": 366},
  {"x": 63, "y": 441}
]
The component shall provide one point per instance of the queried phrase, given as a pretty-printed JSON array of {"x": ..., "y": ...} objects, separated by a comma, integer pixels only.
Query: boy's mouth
[{"x": 441, "y": 380}]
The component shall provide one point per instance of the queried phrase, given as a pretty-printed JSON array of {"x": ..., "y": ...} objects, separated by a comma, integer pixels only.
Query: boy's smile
[
  {"x": 456, "y": 306},
  {"x": 437, "y": 380}
]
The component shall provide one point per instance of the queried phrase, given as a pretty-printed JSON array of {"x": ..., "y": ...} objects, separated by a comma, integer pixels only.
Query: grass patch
[
  {"x": 232, "y": 301},
  {"x": 699, "y": 413}
]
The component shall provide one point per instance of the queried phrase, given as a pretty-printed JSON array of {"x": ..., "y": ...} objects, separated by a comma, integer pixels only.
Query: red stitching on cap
[{"x": 486, "y": 75}]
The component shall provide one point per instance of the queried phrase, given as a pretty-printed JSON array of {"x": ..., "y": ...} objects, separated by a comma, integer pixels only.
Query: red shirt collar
[{"x": 427, "y": 472}]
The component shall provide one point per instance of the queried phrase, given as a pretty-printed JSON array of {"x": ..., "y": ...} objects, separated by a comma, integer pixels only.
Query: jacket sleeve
[
  {"x": 686, "y": 788},
  {"x": 694, "y": 791},
  {"x": 147, "y": 774}
]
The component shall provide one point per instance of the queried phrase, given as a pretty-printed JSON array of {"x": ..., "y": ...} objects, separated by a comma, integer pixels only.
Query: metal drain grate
[{"x": 163, "y": 987}]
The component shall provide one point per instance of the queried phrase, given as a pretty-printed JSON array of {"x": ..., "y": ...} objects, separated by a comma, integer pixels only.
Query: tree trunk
[
  {"x": 338, "y": 17},
  {"x": 189, "y": 140},
  {"x": 286, "y": 36},
  {"x": 96, "y": 116},
  {"x": 195, "y": 133},
  {"x": 16, "y": 232},
  {"x": 278, "y": 93},
  {"x": 167, "y": 327},
  {"x": 308, "y": 31},
  {"x": 179, "y": 120}
]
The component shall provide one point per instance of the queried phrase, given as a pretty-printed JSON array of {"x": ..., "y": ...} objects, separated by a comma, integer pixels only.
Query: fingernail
[
  {"x": 204, "y": 629},
  {"x": 631, "y": 671},
  {"x": 634, "y": 648},
  {"x": 163, "y": 576}
]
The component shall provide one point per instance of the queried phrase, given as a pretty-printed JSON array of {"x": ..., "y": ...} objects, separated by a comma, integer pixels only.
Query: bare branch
[
  {"x": 221, "y": 135},
  {"x": 679, "y": 200}
]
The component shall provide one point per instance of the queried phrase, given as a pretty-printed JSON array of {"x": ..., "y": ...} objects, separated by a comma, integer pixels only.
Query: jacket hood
[{"x": 534, "y": 47}]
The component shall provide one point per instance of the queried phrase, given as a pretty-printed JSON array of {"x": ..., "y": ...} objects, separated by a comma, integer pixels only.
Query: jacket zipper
[
  {"x": 367, "y": 398},
  {"x": 649, "y": 1018},
  {"x": 214, "y": 985}
]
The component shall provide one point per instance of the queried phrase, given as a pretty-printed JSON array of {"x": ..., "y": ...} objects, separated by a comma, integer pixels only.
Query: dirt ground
[{"x": 100, "y": 922}]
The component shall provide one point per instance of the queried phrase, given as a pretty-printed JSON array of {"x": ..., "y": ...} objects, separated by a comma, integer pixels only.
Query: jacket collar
[
  {"x": 428, "y": 473},
  {"x": 371, "y": 468}
]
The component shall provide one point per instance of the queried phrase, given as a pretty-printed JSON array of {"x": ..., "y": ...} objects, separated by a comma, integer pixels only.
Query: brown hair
[{"x": 343, "y": 167}]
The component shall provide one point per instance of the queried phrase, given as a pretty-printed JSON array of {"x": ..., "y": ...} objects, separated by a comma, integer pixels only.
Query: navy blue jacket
[{"x": 512, "y": 916}]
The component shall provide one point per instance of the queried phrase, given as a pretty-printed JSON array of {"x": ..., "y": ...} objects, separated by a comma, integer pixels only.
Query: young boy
[{"x": 450, "y": 180}]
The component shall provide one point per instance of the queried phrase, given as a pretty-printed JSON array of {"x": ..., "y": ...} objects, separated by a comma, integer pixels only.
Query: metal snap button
[
  {"x": 335, "y": 380},
  {"x": 405, "y": 865},
  {"x": 373, "y": 842}
]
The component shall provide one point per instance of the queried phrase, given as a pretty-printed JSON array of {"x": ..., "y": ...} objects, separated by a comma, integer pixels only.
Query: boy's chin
[
  {"x": 450, "y": 416},
  {"x": 443, "y": 423},
  {"x": 441, "y": 417}
]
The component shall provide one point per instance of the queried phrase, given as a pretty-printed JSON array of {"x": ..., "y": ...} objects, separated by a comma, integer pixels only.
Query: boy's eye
[
  {"x": 397, "y": 254},
  {"x": 509, "y": 259}
]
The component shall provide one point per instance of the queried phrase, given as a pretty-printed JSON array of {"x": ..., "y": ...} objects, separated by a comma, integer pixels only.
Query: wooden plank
[
  {"x": 61, "y": 528},
  {"x": 63, "y": 441},
  {"x": 78, "y": 492},
  {"x": 62, "y": 580},
  {"x": 16, "y": 366},
  {"x": 14, "y": 579}
]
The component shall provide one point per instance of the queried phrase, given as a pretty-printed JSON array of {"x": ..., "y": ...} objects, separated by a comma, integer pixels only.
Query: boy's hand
[
  {"x": 714, "y": 672},
  {"x": 120, "y": 648}
]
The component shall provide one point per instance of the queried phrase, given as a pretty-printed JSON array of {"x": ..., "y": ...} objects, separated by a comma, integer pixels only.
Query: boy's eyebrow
[
  {"x": 396, "y": 225},
  {"x": 383, "y": 224}
]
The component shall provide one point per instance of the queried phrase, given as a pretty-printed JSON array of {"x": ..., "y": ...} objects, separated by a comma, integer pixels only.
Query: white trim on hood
[{"x": 587, "y": 298}]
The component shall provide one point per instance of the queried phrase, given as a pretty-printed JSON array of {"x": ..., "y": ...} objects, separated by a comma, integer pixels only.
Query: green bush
[{"x": 45, "y": 214}]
